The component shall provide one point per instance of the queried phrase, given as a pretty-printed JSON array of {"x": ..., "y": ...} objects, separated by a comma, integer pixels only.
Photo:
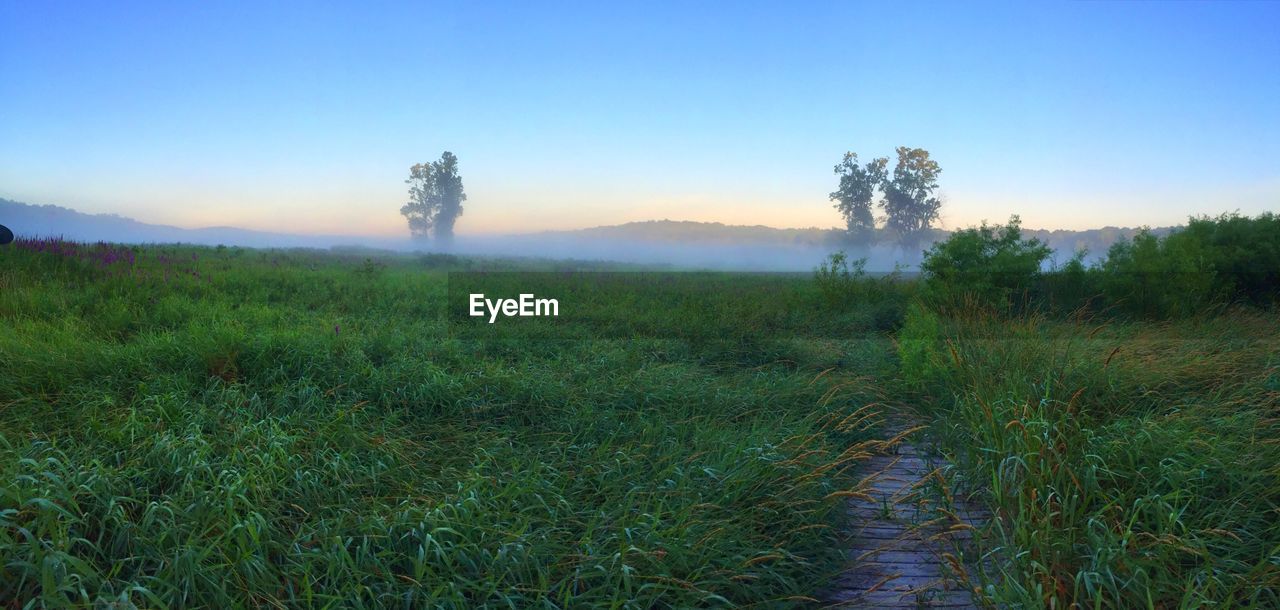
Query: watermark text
[{"x": 526, "y": 305}]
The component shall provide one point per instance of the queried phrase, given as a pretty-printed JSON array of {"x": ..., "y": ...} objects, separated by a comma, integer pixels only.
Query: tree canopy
[
  {"x": 909, "y": 205},
  {"x": 435, "y": 198},
  {"x": 855, "y": 193}
]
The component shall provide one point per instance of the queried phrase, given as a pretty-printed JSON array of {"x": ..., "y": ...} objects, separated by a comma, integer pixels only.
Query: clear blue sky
[{"x": 305, "y": 117}]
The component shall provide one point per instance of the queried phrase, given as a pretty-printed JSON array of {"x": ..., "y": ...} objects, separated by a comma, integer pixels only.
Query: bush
[
  {"x": 1213, "y": 261},
  {"x": 1243, "y": 252},
  {"x": 887, "y": 315},
  {"x": 1069, "y": 287},
  {"x": 874, "y": 304},
  {"x": 1148, "y": 277},
  {"x": 840, "y": 278},
  {"x": 990, "y": 264}
]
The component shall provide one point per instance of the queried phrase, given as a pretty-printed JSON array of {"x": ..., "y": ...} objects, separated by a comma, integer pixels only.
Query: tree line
[{"x": 1211, "y": 262}]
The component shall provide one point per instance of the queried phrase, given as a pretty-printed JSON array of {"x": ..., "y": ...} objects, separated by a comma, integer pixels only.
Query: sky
[{"x": 305, "y": 117}]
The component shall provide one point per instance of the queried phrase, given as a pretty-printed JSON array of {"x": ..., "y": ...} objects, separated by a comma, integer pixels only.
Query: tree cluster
[{"x": 908, "y": 201}]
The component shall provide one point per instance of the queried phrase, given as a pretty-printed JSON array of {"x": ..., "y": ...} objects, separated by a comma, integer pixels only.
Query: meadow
[
  {"x": 199, "y": 427},
  {"x": 238, "y": 428}
]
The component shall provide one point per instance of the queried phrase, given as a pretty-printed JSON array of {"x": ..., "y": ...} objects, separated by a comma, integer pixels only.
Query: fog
[
  {"x": 727, "y": 257},
  {"x": 685, "y": 253},
  {"x": 661, "y": 244}
]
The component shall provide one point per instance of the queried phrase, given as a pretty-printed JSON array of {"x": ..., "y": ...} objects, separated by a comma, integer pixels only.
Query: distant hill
[
  {"x": 1066, "y": 242},
  {"x": 687, "y": 231},
  {"x": 673, "y": 241},
  {"x": 56, "y": 221}
]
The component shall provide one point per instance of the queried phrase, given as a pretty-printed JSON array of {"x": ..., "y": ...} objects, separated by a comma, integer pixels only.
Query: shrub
[
  {"x": 991, "y": 264},
  {"x": 840, "y": 278},
  {"x": 1243, "y": 252},
  {"x": 1148, "y": 277},
  {"x": 887, "y": 315},
  {"x": 1213, "y": 261},
  {"x": 872, "y": 303},
  {"x": 918, "y": 344},
  {"x": 1070, "y": 286}
]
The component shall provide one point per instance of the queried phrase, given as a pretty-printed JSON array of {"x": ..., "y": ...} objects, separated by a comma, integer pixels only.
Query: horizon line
[{"x": 464, "y": 233}]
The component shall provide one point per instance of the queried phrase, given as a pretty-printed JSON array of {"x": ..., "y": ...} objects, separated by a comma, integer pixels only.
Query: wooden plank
[
  {"x": 899, "y": 555},
  {"x": 895, "y": 563},
  {"x": 890, "y": 599}
]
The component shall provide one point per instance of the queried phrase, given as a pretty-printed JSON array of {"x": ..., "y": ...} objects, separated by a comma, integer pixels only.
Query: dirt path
[{"x": 902, "y": 538}]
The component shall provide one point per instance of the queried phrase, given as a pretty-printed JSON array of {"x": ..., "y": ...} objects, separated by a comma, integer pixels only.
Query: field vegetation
[
  {"x": 1121, "y": 420},
  {"x": 240, "y": 428},
  {"x": 236, "y": 428}
]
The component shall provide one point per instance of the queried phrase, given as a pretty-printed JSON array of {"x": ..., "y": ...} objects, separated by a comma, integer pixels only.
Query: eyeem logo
[{"x": 526, "y": 305}]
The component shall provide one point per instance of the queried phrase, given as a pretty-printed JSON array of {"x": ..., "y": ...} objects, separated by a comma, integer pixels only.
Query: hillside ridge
[{"x": 48, "y": 220}]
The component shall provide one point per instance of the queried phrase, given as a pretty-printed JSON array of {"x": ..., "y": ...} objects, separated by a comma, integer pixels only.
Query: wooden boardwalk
[{"x": 901, "y": 542}]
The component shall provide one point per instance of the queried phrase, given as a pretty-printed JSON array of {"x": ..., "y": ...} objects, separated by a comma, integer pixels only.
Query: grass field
[
  {"x": 240, "y": 428},
  {"x": 1134, "y": 464}
]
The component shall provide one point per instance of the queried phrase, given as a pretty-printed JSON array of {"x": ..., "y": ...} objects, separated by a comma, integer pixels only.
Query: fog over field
[{"x": 674, "y": 244}]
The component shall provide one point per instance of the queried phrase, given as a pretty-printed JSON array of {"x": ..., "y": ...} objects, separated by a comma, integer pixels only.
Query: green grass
[
  {"x": 1131, "y": 464},
  {"x": 238, "y": 428},
  {"x": 191, "y": 427}
]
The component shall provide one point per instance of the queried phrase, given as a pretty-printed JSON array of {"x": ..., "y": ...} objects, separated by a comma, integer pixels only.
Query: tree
[
  {"x": 857, "y": 188},
  {"x": 435, "y": 198},
  {"x": 909, "y": 204}
]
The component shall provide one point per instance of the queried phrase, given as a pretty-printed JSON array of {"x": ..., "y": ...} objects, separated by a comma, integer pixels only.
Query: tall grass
[
  {"x": 233, "y": 428},
  {"x": 237, "y": 428},
  {"x": 1129, "y": 464}
]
